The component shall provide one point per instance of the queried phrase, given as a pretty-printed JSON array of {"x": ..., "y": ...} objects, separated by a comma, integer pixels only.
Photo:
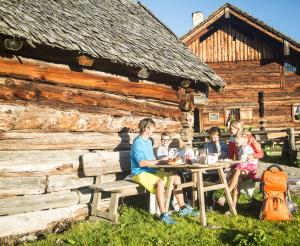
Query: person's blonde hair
[{"x": 238, "y": 125}]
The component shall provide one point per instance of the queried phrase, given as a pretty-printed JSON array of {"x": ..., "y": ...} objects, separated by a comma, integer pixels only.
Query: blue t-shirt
[{"x": 141, "y": 150}]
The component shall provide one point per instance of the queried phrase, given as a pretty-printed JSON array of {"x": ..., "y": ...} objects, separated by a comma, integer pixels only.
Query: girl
[
  {"x": 242, "y": 146},
  {"x": 237, "y": 129}
]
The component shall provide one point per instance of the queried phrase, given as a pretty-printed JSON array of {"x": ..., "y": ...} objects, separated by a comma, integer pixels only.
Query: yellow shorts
[{"x": 149, "y": 180}]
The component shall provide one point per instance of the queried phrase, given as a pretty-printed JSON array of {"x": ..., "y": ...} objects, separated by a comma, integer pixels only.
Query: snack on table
[{"x": 175, "y": 161}]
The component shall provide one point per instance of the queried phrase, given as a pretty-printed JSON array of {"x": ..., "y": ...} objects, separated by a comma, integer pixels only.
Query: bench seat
[
  {"x": 116, "y": 186},
  {"x": 100, "y": 163}
]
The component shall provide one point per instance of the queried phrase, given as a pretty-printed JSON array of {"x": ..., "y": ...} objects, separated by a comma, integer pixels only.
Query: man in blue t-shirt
[{"x": 154, "y": 181}]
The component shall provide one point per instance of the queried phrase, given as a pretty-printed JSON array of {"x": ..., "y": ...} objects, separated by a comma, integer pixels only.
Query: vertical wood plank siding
[{"x": 228, "y": 44}]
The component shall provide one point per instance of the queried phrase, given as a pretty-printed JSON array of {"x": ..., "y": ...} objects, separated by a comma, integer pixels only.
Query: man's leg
[
  {"x": 160, "y": 195},
  {"x": 178, "y": 193}
]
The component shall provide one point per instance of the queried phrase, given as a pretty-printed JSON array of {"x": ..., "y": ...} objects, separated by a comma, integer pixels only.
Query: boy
[
  {"x": 216, "y": 149},
  {"x": 154, "y": 181},
  {"x": 163, "y": 149}
]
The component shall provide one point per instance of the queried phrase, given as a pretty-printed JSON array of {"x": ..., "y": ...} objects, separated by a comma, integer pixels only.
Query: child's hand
[{"x": 250, "y": 157}]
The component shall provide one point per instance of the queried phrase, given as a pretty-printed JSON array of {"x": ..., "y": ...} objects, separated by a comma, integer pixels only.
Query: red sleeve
[
  {"x": 232, "y": 151},
  {"x": 258, "y": 152}
]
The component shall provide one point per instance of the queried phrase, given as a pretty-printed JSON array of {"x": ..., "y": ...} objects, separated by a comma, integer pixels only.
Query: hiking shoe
[
  {"x": 188, "y": 211},
  {"x": 167, "y": 219}
]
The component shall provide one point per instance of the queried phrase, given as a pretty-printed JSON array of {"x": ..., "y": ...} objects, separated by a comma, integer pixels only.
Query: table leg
[
  {"x": 201, "y": 198},
  {"x": 194, "y": 189},
  {"x": 227, "y": 192},
  {"x": 168, "y": 193}
]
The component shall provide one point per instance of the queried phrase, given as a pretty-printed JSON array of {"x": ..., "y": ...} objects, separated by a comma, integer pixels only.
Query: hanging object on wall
[
  {"x": 13, "y": 44},
  {"x": 185, "y": 83},
  {"x": 84, "y": 60},
  {"x": 144, "y": 73},
  {"x": 186, "y": 99},
  {"x": 200, "y": 99},
  {"x": 286, "y": 48},
  {"x": 187, "y": 119}
]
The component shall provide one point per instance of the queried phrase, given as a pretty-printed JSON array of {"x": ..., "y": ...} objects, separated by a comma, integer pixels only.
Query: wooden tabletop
[{"x": 223, "y": 164}]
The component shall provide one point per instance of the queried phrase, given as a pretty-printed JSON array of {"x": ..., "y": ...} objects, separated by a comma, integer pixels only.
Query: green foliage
[
  {"x": 138, "y": 227},
  {"x": 256, "y": 238}
]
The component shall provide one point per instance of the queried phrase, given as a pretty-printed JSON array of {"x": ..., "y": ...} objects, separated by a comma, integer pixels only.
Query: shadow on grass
[
  {"x": 228, "y": 235},
  {"x": 275, "y": 159}
]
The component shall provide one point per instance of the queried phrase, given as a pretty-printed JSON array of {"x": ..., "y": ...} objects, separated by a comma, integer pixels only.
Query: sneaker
[
  {"x": 167, "y": 219},
  {"x": 188, "y": 211}
]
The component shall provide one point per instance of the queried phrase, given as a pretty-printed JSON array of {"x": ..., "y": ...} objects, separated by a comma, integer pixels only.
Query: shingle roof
[{"x": 122, "y": 31}]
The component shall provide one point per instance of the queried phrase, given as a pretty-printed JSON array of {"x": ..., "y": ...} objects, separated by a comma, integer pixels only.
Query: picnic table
[{"x": 197, "y": 183}]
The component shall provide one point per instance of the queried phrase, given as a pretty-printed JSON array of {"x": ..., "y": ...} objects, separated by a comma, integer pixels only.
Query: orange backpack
[{"x": 274, "y": 188}]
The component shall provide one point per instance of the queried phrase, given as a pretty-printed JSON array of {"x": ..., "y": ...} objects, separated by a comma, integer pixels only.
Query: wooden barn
[
  {"x": 76, "y": 77},
  {"x": 260, "y": 66}
]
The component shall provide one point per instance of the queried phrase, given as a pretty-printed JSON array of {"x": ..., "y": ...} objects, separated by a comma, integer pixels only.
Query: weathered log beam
[
  {"x": 62, "y": 75},
  {"x": 30, "y": 203},
  {"x": 39, "y": 220},
  {"x": 22, "y": 185},
  {"x": 67, "y": 182},
  {"x": 39, "y": 163},
  {"x": 29, "y": 117},
  {"x": 31, "y": 91},
  {"x": 15, "y": 140}
]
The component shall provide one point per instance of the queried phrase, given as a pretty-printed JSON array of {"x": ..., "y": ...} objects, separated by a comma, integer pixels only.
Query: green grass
[{"x": 139, "y": 228}]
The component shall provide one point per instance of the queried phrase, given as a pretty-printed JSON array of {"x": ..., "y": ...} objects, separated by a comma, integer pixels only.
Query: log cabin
[
  {"x": 260, "y": 65},
  {"x": 76, "y": 77}
]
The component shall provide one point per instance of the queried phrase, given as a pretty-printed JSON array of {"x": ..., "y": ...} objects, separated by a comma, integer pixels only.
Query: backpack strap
[{"x": 274, "y": 165}]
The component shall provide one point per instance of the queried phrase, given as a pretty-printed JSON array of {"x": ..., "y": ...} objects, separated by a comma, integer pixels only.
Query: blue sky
[{"x": 176, "y": 14}]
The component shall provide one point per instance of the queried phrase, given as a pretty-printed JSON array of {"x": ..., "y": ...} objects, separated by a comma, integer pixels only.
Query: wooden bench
[{"x": 100, "y": 164}]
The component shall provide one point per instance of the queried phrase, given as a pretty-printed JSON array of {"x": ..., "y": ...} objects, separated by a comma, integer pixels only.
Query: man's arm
[{"x": 145, "y": 163}]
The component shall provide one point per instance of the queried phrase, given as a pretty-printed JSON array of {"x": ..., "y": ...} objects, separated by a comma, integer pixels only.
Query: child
[
  {"x": 214, "y": 146},
  {"x": 218, "y": 149},
  {"x": 236, "y": 129},
  {"x": 246, "y": 169},
  {"x": 163, "y": 149}
]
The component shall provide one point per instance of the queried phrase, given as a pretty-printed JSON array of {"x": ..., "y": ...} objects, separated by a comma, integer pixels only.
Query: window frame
[
  {"x": 293, "y": 112},
  {"x": 292, "y": 64},
  {"x": 230, "y": 108},
  {"x": 211, "y": 115}
]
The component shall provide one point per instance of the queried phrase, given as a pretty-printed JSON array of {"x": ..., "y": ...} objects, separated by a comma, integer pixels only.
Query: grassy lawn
[{"x": 137, "y": 227}]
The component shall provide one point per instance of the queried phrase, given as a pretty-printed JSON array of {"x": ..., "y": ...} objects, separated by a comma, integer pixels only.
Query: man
[{"x": 154, "y": 181}]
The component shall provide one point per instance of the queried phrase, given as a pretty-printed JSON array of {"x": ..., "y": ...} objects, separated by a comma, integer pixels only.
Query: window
[
  {"x": 296, "y": 112},
  {"x": 290, "y": 67},
  {"x": 232, "y": 114},
  {"x": 213, "y": 116}
]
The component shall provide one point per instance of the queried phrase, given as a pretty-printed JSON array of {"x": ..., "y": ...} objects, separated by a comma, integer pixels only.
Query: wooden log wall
[
  {"x": 229, "y": 44},
  {"x": 244, "y": 80},
  {"x": 50, "y": 116}
]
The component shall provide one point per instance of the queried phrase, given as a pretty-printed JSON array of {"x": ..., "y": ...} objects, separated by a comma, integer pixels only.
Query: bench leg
[
  {"x": 113, "y": 207},
  {"x": 96, "y": 202}
]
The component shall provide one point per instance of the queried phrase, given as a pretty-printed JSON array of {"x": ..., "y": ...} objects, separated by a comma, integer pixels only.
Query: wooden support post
[
  {"x": 262, "y": 120},
  {"x": 292, "y": 145}
]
